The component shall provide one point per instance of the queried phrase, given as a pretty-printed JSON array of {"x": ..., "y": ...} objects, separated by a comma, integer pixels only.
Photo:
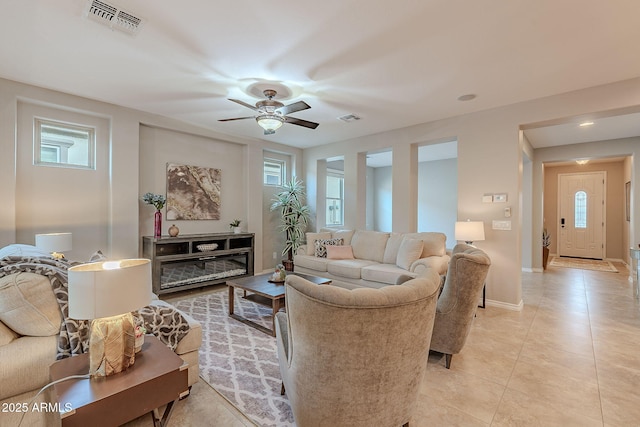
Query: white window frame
[
  {"x": 63, "y": 146},
  {"x": 283, "y": 171},
  {"x": 335, "y": 174}
]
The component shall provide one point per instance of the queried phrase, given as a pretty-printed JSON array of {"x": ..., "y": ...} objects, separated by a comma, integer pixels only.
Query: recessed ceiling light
[
  {"x": 583, "y": 124},
  {"x": 467, "y": 97}
]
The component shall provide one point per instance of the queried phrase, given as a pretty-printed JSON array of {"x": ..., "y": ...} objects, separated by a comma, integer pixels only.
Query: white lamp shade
[
  {"x": 469, "y": 231},
  {"x": 54, "y": 242},
  {"x": 109, "y": 288}
]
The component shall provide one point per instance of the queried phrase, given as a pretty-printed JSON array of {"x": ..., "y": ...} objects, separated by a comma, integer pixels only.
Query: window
[
  {"x": 335, "y": 198},
  {"x": 274, "y": 172},
  {"x": 64, "y": 145},
  {"x": 580, "y": 209}
]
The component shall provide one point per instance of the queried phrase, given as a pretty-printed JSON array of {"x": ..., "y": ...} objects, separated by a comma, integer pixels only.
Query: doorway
[{"x": 581, "y": 213}]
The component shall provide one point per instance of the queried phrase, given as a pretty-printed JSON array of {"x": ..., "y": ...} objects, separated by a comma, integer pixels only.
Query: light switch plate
[{"x": 501, "y": 225}]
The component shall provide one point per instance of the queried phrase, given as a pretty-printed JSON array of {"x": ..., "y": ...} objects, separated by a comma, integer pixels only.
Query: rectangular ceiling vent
[
  {"x": 349, "y": 118},
  {"x": 114, "y": 17}
]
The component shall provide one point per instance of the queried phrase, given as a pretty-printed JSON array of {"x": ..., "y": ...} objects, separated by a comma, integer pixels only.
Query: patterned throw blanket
[{"x": 166, "y": 323}]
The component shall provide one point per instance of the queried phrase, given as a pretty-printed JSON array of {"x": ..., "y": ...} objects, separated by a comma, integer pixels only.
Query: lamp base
[{"x": 111, "y": 345}]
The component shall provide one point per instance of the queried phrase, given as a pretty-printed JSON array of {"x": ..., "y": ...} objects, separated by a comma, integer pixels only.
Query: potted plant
[
  {"x": 294, "y": 217},
  {"x": 235, "y": 225},
  {"x": 546, "y": 242}
]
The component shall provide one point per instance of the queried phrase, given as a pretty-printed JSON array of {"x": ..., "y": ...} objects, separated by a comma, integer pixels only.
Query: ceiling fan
[{"x": 272, "y": 114}]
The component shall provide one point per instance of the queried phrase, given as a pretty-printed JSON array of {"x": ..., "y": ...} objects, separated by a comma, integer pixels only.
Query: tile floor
[{"x": 571, "y": 357}]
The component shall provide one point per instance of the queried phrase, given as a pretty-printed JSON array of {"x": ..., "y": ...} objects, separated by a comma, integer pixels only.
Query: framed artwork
[
  {"x": 193, "y": 192},
  {"x": 627, "y": 192}
]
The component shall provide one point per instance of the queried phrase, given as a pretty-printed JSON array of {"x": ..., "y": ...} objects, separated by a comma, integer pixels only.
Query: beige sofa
[
  {"x": 371, "y": 258},
  {"x": 30, "y": 320}
]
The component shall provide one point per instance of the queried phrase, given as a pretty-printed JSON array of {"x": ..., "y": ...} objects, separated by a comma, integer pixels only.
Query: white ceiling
[{"x": 394, "y": 64}]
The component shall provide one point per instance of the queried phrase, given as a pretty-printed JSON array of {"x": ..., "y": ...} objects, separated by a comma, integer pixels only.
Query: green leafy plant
[
  {"x": 546, "y": 239},
  {"x": 157, "y": 200},
  {"x": 295, "y": 214},
  {"x": 235, "y": 223}
]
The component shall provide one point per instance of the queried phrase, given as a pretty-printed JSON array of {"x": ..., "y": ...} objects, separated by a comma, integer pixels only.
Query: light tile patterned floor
[{"x": 571, "y": 357}]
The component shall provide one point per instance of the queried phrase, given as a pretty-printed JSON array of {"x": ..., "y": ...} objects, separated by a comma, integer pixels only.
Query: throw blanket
[{"x": 166, "y": 323}]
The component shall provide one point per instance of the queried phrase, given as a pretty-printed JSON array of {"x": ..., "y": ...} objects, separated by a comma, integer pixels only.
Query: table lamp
[
  {"x": 469, "y": 231},
  {"x": 106, "y": 293},
  {"x": 54, "y": 243}
]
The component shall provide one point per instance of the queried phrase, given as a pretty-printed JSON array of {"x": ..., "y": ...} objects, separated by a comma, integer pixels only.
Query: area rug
[
  {"x": 584, "y": 264},
  {"x": 238, "y": 361}
]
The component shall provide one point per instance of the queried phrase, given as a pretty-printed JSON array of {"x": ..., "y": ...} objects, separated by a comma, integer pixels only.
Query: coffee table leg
[{"x": 231, "y": 299}]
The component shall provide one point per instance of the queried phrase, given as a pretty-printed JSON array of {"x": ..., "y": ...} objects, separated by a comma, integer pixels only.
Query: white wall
[
  {"x": 438, "y": 197},
  {"x": 382, "y": 199},
  {"x": 490, "y": 160}
]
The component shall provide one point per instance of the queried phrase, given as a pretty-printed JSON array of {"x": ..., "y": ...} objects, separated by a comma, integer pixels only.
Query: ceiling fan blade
[
  {"x": 237, "y": 101},
  {"x": 236, "y": 118},
  {"x": 301, "y": 122},
  {"x": 292, "y": 108}
]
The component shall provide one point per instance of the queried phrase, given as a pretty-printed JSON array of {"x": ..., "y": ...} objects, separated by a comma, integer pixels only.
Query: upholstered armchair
[
  {"x": 458, "y": 301},
  {"x": 355, "y": 357}
]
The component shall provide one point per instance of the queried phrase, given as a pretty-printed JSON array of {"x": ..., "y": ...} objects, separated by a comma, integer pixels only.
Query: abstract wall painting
[{"x": 193, "y": 192}]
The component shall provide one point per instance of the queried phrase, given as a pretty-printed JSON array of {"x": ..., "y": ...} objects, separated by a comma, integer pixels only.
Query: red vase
[{"x": 157, "y": 225}]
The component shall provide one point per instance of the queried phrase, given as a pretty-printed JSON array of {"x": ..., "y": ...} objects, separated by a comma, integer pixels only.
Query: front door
[{"x": 581, "y": 215}]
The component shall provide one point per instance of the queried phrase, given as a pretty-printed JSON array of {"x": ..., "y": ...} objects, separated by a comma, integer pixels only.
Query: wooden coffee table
[
  {"x": 265, "y": 293},
  {"x": 158, "y": 377}
]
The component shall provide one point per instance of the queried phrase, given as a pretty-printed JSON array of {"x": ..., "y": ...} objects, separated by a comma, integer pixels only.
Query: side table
[{"x": 158, "y": 377}]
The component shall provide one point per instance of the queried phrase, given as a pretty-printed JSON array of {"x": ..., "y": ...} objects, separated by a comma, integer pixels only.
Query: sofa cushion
[
  {"x": 321, "y": 246},
  {"x": 25, "y": 364},
  {"x": 311, "y": 262},
  {"x": 384, "y": 273},
  {"x": 6, "y": 335},
  {"x": 434, "y": 243},
  {"x": 19, "y": 250},
  {"x": 345, "y": 235},
  {"x": 311, "y": 240},
  {"x": 410, "y": 251},
  {"x": 391, "y": 250},
  {"x": 28, "y": 305},
  {"x": 349, "y": 268},
  {"x": 340, "y": 252},
  {"x": 369, "y": 245}
]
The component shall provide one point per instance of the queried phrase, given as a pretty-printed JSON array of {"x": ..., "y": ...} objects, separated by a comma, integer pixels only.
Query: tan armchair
[
  {"x": 355, "y": 357},
  {"x": 458, "y": 301}
]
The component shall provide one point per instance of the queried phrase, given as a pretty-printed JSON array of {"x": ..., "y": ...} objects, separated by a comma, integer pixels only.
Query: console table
[
  {"x": 158, "y": 377},
  {"x": 197, "y": 260}
]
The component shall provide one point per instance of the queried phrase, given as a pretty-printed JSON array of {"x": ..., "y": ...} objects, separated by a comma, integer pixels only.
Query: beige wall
[
  {"x": 615, "y": 203},
  {"x": 490, "y": 160},
  {"x": 137, "y": 148}
]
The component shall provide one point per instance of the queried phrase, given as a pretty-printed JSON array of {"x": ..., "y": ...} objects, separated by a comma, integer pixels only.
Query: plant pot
[
  {"x": 237, "y": 230},
  {"x": 288, "y": 264},
  {"x": 545, "y": 257}
]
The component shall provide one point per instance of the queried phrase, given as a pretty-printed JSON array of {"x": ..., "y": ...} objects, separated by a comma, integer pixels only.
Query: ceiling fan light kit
[{"x": 272, "y": 114}]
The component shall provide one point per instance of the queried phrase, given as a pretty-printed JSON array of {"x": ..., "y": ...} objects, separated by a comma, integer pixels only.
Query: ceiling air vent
[
  {"x": 349, "y": 118},
  {"x": 114, "y": 17}
]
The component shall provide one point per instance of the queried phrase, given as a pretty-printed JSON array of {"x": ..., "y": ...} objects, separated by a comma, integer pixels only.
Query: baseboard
[
  {"x": 532, "y": 270},
  {"x": 506, "y": 306}
]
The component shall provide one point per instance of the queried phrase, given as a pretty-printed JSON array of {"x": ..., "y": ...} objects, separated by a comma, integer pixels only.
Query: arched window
[{"x": 580, "y": 209}]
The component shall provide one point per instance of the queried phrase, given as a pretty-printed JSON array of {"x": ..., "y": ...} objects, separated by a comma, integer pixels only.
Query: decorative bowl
[{"x": 207, "y": 247}]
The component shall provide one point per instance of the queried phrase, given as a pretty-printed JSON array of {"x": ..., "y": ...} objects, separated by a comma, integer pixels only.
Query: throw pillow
[
  {"x": 321, "y": 246},
  {"x": 311, "y": 240},
  {"x": 28, "y": 305},
  {"x": 409, "y": 252},
  {"x": 339, "y": 252}
]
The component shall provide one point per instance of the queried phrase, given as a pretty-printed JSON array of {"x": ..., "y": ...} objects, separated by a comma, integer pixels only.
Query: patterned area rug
[
  {"x": 584, "y": 264},
  {"x": 240, "y": 362}
]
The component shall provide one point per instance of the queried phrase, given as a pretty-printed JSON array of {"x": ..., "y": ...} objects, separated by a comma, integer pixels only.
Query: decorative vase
[
  {"x": 173, "y": 231},
  {"x": 139, "y": 341},
  {"x": 545, "y": 257},
  {"x": 157, "y": 225},
  {"x": 237, "y": 230}
]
